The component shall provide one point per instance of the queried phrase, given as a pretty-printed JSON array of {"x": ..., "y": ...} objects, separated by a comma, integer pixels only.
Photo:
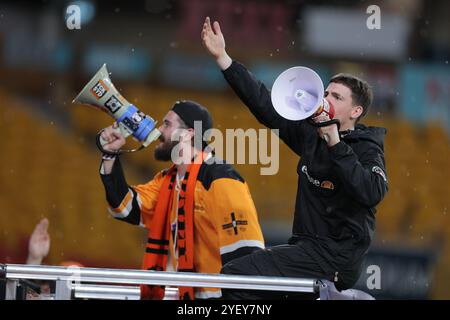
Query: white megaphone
[
  {"x": 101, "y": 94},
  {"x": 298, "y": 94}
]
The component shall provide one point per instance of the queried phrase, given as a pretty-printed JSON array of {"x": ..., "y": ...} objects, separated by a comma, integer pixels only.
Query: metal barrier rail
[
  {"x": 65, "y": 275},
  {"x": 93, "y": 291},
  {"x": 110, "y": 292}
]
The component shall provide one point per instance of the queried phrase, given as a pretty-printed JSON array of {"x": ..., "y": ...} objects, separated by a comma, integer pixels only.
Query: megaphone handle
[
  {"x": 100, "y": 142},
  {"x": 326, "y": 123}
]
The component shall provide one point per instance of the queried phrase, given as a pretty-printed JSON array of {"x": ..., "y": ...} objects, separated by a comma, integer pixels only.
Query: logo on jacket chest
[{"x": 325, "y": 184}]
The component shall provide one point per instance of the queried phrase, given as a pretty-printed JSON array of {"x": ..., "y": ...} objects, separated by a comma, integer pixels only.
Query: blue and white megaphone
[{"x": 101, "y": 94}]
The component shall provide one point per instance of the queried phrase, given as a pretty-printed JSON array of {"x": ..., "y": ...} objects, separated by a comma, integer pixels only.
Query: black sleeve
[
  {"x": 116, "y": 189},
  {"x": 364, "y": 176},
  {"x": 257, "y": 98}
]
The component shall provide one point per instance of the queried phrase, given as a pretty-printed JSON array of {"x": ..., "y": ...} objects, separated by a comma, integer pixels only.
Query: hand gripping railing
[{"x": 69, "y": 279}]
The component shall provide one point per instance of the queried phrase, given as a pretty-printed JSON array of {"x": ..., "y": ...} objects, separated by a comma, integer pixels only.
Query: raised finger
[
  {"x": 208, "y": 24},
  {"x": 217, "y": 28}
]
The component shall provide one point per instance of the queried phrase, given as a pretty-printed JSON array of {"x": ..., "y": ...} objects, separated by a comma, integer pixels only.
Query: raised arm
[
  {"x": 214, "y": 42},
  {"x": 39, "y": 243},
  {"x": 251, "y": 91},
  {"x": 132, "y": 204}
]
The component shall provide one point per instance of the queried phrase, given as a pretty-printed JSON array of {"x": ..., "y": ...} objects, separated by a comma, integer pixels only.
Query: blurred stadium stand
[{"x": 49, "y": 163}]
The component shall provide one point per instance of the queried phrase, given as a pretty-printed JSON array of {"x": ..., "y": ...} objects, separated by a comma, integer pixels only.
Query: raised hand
[
  {"x": 114, "y": 138},
  {"x": 39, "y": 243},
  {"x": 214, "y": 42}
]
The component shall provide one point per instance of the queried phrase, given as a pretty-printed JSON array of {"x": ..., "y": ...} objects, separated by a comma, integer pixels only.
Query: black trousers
[{"x": 279, "y": 261}]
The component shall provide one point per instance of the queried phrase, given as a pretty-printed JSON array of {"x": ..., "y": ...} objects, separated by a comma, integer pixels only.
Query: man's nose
[
  {"x": 161, "y": 129},
  {"x": 330, "y": 101}
]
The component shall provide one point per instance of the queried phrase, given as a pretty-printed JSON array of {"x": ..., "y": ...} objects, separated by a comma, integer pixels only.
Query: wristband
[{"x": 106, "y": 156}]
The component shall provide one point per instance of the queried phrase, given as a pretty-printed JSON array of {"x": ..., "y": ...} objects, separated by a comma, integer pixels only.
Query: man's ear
[
  {"x": 356, "y": 112},
  {"x": 188, "y": 134},
  {"x": 191, "y": 132}
]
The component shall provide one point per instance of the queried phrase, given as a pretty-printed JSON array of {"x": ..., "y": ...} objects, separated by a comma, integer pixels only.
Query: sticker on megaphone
[{"x": 101, "y": 94}]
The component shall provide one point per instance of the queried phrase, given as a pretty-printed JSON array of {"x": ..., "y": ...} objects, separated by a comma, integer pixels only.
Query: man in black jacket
[{"x": 341, "y": 180}]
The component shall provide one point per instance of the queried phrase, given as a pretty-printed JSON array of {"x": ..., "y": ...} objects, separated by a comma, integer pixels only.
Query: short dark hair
[{"x": 362, "y": 94}]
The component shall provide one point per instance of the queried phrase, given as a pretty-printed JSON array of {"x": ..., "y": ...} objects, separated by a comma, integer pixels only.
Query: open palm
[
  {"x": 39, "y": 243},
  {"x": 212, "y": 38}
]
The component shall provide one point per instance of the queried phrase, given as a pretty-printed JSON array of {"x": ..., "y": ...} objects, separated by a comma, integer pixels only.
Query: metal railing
[
  {"x": 110, "y": 292},
  {"x": 73, "y": 282},
  {"x": 94, "y": 291}
]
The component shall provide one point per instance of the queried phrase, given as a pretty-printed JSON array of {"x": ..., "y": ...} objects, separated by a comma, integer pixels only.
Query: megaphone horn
[
  {"x": 298, "y": 94},
  {"x": 101, "y": 94}
]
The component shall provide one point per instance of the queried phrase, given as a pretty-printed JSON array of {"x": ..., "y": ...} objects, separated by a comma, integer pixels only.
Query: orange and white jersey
[{"x": 226, "y": 224}]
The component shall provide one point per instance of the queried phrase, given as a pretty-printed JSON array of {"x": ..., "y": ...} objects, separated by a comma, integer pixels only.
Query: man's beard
[{"x": 164, "y": 152}]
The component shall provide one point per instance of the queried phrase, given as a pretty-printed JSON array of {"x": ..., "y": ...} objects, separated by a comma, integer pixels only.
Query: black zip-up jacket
[{"x": 338, "y": 186}]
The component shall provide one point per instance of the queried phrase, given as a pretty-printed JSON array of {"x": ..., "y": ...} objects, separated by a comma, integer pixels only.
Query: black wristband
[{"x": 107, "y": 156}]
